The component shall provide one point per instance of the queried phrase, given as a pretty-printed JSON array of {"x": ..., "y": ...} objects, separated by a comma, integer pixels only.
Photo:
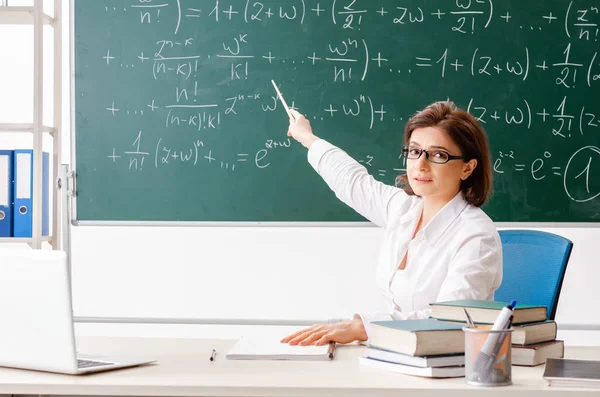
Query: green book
[
  {"x": 417, "y": 337},
  {"x": 486, "y": 312}
]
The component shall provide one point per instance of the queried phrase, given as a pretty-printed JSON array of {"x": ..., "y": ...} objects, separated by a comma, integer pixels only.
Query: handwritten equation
[
  {"x": 352, "y": 59},
  {"x": 465, "y": 16},
  {"x": 194, "y": 153}
]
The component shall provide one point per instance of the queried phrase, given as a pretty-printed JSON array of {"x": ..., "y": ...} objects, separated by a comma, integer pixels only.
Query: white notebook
[{"x": 269, "y": 348}]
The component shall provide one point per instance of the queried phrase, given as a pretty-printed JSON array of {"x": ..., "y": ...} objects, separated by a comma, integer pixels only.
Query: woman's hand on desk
[
  {"x": 321, "y": 334},
  {"x": 300, "y": 130}
]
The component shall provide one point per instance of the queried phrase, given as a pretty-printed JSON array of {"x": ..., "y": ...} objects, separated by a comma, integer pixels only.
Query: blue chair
[{"x": 534, "y": 267}]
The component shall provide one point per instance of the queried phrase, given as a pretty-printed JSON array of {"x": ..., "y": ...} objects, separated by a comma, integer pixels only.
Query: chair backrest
[{"x": 534, "y": 267}]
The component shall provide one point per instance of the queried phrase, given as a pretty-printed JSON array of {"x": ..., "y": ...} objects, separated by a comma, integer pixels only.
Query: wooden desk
[{"x": 184, "y": 369}]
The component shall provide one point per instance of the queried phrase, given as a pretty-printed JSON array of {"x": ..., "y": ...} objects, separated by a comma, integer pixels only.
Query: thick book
[
  {"x": 486, "y": 312},
  {"x": 529, "y": 333},
  {"x": 571, "y": 373},
  {"x": 416, "y": 361},
  {"x": 417, "y": 337},
  {"x": 272, "y": 349},
  {"x": 532, "y": 333},
  {"x": 532, "y": 355},
  {"x": 428, "y": 372}
]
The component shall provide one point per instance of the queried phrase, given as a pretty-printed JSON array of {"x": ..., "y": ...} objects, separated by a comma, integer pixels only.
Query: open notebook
[{"x": 269, "y": 348}]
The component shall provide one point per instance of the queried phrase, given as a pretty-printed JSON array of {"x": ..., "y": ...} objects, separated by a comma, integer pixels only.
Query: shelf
[
  {"x": 33, "y": 17},
  {"x": 22, "y": 239},
  {"x": 13, "y": 15},
  {"x": 23, "y": 127}
]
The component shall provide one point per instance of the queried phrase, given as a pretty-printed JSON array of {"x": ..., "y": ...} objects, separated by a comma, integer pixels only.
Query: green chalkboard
[{"x": 176, "y": 118}]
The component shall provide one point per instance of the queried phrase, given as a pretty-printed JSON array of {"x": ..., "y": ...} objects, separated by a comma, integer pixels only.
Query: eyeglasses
[{"x": 435, "y": 156}]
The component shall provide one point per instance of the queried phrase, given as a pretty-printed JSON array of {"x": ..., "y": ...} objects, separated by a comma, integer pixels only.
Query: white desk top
[{"x": 184, "y": 369}]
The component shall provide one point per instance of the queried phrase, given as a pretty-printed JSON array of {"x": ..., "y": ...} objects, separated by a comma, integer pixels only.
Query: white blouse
[{"x": 457, "y": 255}]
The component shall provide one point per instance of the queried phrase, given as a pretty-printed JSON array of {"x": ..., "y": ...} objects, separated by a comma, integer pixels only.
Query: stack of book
[
  {"x": 435, "y": 347},
  {"x": 429, "y": 348},
  {"x": 533, "y": 337}
]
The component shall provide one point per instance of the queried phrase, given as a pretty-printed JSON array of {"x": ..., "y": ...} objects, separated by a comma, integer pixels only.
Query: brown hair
[{"x": 466, "y": 132}]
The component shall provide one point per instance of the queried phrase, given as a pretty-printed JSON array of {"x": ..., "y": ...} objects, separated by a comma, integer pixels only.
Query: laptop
[{"x": 36, "y": 329}]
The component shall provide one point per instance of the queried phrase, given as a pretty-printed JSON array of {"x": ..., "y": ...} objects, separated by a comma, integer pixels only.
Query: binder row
[{"x": 16, "y": 193}]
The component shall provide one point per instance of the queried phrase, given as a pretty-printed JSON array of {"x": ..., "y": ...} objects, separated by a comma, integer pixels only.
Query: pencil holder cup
[{"x": 488, "y": 356}]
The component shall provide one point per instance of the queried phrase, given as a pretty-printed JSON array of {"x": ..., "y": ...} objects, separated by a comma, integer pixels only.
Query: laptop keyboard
[{"x": 90, "y": 363}]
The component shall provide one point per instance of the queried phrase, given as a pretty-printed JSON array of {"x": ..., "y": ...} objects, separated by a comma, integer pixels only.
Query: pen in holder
[{"x": 488, "y": 366}]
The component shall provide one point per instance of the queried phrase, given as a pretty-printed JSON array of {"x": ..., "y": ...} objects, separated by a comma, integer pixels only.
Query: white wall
[
  {"x": 243, "y": 272},
  {"x": 263, "y": 272}
]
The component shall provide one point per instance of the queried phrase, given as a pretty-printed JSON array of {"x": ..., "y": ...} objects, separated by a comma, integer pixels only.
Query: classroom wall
[
  {"x": 264, "y": 272},
  {"x": 236, "y": 272}
]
